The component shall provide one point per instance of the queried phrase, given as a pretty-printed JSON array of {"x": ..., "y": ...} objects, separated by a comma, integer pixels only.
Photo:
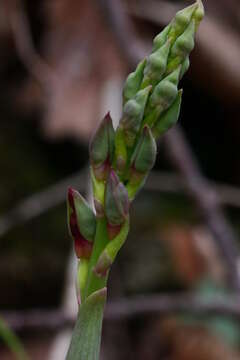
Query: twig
[
  {"x": 170, "y": 182},
  {"x": 53, "y": 196},
  {"x": 181, "y": 155},
  {"x": 39, "y": 203},
  {"x": 37, "y": 67},
  {"x": 128, "y": 308},
  {"x": 206, "y": 199},
  {"x": 121, "y": 27}
]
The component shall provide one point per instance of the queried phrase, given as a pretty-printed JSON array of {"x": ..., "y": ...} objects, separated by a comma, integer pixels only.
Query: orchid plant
[{"x": 120, "y": 161}]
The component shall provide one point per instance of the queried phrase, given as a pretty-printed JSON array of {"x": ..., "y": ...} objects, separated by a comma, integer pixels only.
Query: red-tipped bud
[{"x": 81, "y": 224}]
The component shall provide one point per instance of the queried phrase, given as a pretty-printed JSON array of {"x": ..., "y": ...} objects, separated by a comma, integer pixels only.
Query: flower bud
[
  {"x": 144, "y": 155},
  {"x": 116, "y": 200},
  {"x": 168, "y": 118},
  {"x": 199, "y": 13},
  {"x": 185, "y": 42},
  {"x": 102, "y": 148},
  {"x": 142, "y": 161},
  {"x": 133, "y": 82},
  {"x": 132, "y": 115},
  {"x": 181, "y": 21},
  {"x": 161, "y": 38},
  {"x": 156, "y": 65},
  {"x": 182, "y": 48},
  {"x": 81, "y": 223},
  {"x": 163, "y": 96}
]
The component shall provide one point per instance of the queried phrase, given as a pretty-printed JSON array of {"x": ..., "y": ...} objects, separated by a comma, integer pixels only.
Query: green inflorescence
[{"x": 121, "y": 159}]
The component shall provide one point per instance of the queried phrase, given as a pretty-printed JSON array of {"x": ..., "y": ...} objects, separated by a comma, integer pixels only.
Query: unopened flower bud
[
  {"x": 162, "y": 97},
  {"x": 133, "y": 82},
  {"x": 144, "y": 155},
  {"x": 81, "y": 223},
  {"x": 185, "y": 42},
  {"x": 142, "y": 161},
  {"x": 116, "y": 200},
  {"x": 168, "y": 118},
  {"x": 199, "y": 13},
  {"x": 161, "y": 38},
  {"x": 156, "y": 65},
  {"x": 132, "y": 115},
  {"x": 181, "y": 21},
  {"x": 102, "y": 148}
]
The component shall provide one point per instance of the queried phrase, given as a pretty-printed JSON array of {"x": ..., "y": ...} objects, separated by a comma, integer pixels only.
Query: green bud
[
  {"x": 142, "y": 161},
  {"x": 156, "y": 65},
  {"x": 133, "y": 114},
  {"x": 182, "y": 48},
  {"x": 181, "y": 21},
  {"x": 168, "y": 118},
  {"x": 116, "y": 200},
  {"x": 85, "y": 217},
  {"x": 163, "y": 96},
  {"x": 185, "y": 42},
  {"x": 81, "y": 223},
  {"x": 145, "y": 152},
  {"x": 199, "y": 13},
  {"x": 133, "y": 82},
  {"x": 161, "y": 38},
  {"x": 102, "y": 148}
]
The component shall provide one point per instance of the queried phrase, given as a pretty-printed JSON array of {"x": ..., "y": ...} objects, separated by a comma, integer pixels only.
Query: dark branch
[
  {"x": 206, "y": 199},
  {"x": 55, "y": 195},
  {"x": 39, "y": 203},
  {"x": 37, "y": 67},
  {"x": 128, "y": 308}
]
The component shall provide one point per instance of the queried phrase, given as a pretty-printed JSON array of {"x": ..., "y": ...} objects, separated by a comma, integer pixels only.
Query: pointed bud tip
[
  {"x": 71, "y": 194},
  {"x": 107, "y": 117},
  {"x": 146, "y": 129},
  {"x": 116, "y": 200},
  {"x": 200, "y": 12},
  {"x": 101, "y": 147}
]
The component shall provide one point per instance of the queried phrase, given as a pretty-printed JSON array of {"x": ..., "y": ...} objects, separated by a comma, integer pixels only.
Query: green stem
[
  {"x": 94, "y": 282},
  {"x": 86, "y": 338}
]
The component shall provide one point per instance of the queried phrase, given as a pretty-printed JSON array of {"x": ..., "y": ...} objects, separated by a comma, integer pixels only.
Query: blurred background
[{"x": 63, "y": 64}]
